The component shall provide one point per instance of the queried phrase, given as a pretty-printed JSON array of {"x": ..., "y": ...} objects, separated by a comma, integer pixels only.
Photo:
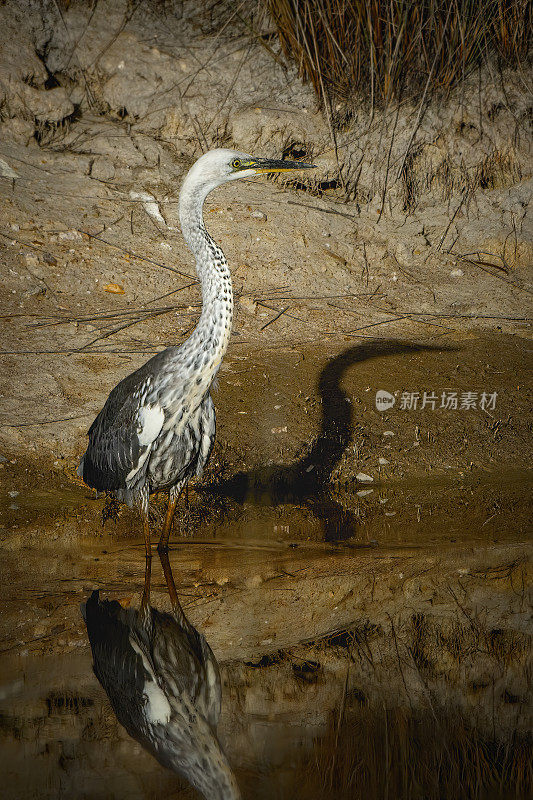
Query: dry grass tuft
[
  {"x": 387, "y": 48},
  {"x": 405, "y": 754}
]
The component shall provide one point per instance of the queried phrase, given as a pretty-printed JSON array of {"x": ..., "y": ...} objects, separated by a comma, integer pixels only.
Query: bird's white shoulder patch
[
  {"x": 157, "y": 707},
  {"x": 149, "y": 423}
]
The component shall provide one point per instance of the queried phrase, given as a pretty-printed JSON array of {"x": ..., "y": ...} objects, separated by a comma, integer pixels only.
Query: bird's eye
[{"x": 236, "y": 163}]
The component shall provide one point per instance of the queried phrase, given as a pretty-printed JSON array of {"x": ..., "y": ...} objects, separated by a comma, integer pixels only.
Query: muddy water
[{"x": 294, "y": 612}]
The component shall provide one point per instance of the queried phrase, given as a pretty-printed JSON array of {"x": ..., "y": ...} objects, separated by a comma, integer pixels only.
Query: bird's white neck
[{"x": 211, "y": 335}]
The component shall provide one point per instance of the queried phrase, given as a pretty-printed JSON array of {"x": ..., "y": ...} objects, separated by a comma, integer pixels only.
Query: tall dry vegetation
[
  {"x": 383, "y": 48},
  {"x": 407, "y": 755}
]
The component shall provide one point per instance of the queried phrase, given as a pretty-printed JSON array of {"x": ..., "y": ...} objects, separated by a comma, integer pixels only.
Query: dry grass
[
  {"x": 387, "y": 48},
  {"x": 407, "y": 755}
]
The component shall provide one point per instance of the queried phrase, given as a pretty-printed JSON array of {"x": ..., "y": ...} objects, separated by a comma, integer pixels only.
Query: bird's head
[{"x": 220, "y": 166}]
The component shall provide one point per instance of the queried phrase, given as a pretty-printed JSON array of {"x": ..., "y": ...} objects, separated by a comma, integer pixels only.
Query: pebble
[
  {"x": 259, "y": 215},
  {"x": 13, "y": 494},
  {"x": 114, "y": 288},
  {"x": 70, "y": 235},
  {"x": 248, "y": 304},
  {"x": 457, "y": 273},
  {"x": 388, "y": 433},
  {"x": 363, "y": 477},
  {"x": 31, "y": 260},
  {"x": 383, "y": 461},
  {"x": 364, "y": 492}
]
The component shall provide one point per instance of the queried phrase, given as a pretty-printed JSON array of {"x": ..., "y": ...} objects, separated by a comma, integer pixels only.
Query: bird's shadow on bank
[{"x": 306, "y": 482}]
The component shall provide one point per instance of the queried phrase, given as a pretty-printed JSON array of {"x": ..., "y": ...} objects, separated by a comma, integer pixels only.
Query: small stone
[
  {"x": 248, "y": 304},
  {"x": 364, "y": 492},
  {"x": 404, "y": 255},
  {"x": 70, "y": 236},
  {"x": 13, "y": 493},
  {"x": 279, "y": 430},
  {"x": 31, "y": 260},
  {"x": 363, "y": 477},
  {"x": 35, "y": 291},
  {"x": 259, "y": 215},
  {"x": 457, "y": 273},
  {"x": 388, "y": 433},
  {"x": 383, "y": 461}
]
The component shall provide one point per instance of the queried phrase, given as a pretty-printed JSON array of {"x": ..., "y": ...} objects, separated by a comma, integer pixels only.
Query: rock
[
  {"x": 6, "y": 171},
  {"x": 102, "y": 169},
  {"x": 363, "y": 477},
  {"x": 51, "y": 106}
]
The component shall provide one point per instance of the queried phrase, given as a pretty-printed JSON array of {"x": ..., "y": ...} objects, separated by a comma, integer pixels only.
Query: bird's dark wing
[
  {"x": 117, "y": 665},
  {"x": 121, "y": 436},
  {"x": 186, "y": 664}
]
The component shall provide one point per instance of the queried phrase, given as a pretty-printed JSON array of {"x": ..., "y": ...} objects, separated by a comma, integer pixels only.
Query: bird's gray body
[
  {"x": 157, "y": 427},
  {"x": 164, "y": 685},
  {"x": 147, "y": 437}
]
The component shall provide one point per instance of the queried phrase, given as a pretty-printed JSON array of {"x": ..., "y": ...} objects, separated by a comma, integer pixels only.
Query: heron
[
  {"x": 164, "y": 684},
  {"x": 157, "y": 427}
]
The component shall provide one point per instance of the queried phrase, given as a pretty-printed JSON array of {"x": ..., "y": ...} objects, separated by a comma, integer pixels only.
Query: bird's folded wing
[{"x": 120, "y": 440}]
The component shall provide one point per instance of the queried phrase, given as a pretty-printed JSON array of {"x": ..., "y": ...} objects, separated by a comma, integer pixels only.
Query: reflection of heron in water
[{"x": 164, "y": 685}]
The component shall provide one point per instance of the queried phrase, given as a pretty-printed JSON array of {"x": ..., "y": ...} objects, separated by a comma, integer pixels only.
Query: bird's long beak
[{"x": 275, "y": 165}]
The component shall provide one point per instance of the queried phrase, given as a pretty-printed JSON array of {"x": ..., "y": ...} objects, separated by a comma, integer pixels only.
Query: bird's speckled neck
[{"x": 211, "y": 335}]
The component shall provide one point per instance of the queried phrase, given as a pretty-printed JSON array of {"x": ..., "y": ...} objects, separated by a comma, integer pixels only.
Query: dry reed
[
  {"x": 387, "y": 48},
  {"x": 405, "y": 754}
]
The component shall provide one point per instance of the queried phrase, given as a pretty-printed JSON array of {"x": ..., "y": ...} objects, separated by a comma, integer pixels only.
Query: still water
[{"x": 374, "y": 644}]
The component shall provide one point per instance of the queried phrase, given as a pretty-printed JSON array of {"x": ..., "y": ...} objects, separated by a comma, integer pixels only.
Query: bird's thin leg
[
  {"x": 167, "y": 525},
  {"x": 145, "y": 599},
  {"x": 171, "y": 586},
  {"x": 146, "y": 532}
]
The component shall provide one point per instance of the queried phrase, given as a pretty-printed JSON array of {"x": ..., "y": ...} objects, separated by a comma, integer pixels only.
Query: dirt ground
[{"x": 325, "y": 532}]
